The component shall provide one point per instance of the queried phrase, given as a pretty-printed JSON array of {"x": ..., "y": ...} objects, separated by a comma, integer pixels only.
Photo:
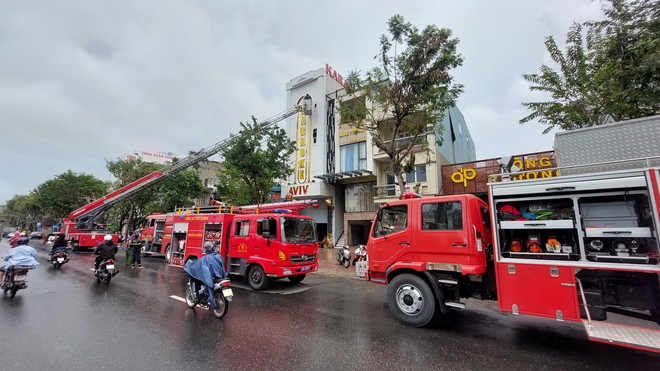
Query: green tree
[
  {"x": 257, "y": 156},
  {"x": 59, "y": 196},
  {"x": 407, "y": 95},
  {"x": 23, "y": 211},
  {"x": 179, "y": 191},
  {"x": 611, "y": 73}
]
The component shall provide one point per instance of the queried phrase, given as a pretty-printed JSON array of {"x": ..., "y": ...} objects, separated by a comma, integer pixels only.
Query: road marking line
[{"x": 184, "y": 301}]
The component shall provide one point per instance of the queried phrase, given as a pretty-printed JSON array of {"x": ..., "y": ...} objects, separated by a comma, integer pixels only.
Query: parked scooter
[
  {"x": 106, "y": 271},
  {"x": 221, "y": 292},
  {"x": 360, "y": 254},
  {"x": 344, "y": 256},
  {"x": 15, "y": 279}
]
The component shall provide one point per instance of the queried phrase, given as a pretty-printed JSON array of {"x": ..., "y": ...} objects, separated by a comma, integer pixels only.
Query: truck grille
[{"x": 304, "y": 258}]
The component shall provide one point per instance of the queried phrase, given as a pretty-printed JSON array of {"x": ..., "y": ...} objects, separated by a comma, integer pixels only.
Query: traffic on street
[{"x": 65, "y": 319}]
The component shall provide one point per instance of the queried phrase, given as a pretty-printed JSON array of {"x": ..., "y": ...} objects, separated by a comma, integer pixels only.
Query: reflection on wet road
[{"x": 65, "y": 320}]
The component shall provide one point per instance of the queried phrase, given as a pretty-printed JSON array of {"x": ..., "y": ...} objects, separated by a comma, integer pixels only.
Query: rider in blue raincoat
[{"x": 205, "y": 269}]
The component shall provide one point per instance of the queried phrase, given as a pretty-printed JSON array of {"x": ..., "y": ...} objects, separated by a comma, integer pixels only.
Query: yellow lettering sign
[{"x": 463, "y": 175}]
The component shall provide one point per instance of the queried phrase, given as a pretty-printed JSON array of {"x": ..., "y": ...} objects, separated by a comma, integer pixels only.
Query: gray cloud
[{"x": 85, "y": 81}]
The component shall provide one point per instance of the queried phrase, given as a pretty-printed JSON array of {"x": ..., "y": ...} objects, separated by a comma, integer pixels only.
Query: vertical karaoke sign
[{"x": 303, "y": 139}]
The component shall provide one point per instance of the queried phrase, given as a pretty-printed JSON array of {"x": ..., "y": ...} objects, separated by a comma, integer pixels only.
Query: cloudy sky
[{"x": 85, "y": 81}]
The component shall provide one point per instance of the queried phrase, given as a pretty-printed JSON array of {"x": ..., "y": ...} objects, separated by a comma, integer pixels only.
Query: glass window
[
  {"x": 420, "y": 173},
  {"x": 353, "y": 156},
  {"x": 410, "y": 176},
  {"x": 442, "y": 216},
  {"x": 298, "y": 230},
  {"x": 243, "y": 228},
  {"x": 394, "y": 219}
]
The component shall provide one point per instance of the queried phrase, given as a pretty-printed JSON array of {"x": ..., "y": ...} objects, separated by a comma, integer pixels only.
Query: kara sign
[{"x": 332, "y": 73}]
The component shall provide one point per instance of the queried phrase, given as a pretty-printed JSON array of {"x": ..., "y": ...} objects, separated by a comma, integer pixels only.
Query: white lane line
[
  {"x": 178, "y": 298},
  {"x": 184, "y": 300}
]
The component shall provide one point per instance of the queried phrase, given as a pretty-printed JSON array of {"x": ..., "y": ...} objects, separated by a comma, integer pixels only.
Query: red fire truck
[
  {"x": 152, "y": 233},
  {"x": 80, "y": 227},
  {"x": 259, "y": 243},
  {"x": 579, "y": 247}
]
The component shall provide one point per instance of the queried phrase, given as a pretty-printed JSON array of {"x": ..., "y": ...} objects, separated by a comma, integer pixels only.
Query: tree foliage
[
  {"x": 609, "y": 72},
  {"x": 176, "y": 191},
  {"x": 55, "y": 199},
  {"x": 407, "y": 95},
  {"x": 256, "y": 158}
]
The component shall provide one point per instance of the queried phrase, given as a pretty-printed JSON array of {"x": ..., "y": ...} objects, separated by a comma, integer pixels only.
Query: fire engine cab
[
  {"x": 581, "y": 246},
  {"x": 259, "y": 243}
]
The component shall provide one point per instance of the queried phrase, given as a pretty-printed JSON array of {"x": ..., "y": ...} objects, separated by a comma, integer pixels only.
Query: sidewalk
[{"x": 328, "y": 265}]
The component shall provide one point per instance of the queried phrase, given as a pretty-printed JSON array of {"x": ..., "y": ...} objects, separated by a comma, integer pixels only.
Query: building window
[
  {"x": 416, "y": 175},
  {"x": 353, "y": 156}
]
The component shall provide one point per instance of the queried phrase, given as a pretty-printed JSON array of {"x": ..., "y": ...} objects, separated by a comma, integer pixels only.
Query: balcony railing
[
  {"x": 391, "y": 191},
  {"x": 403, "y": 142}
]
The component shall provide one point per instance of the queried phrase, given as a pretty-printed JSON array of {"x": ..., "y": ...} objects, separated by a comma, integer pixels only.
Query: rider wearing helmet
[
  {"x": 13, "y": 241},
  {"x": 105, "y": 250},
  {"x": 22, "y": 254}
]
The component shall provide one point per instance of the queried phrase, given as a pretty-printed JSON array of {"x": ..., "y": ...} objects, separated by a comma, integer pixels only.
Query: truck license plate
[{"x": 305, "y": 269}]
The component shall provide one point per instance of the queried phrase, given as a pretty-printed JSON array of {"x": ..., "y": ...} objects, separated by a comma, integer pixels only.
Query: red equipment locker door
[{"x": 539, "y": 290}]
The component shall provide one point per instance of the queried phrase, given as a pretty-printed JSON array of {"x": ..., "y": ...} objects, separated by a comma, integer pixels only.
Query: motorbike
[
  {"x": 221, "y": 292},
  {"x": 344, "y": 256},
  {"x": 59, "y": 258},
  {"x": 360, "y": 254},
  {"x": 15, "y": 279},
  {"x": 106, "y": 271}
]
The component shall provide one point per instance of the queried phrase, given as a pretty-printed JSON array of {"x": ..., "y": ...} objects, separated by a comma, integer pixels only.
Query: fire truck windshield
[{"x": 298, "y": 230}]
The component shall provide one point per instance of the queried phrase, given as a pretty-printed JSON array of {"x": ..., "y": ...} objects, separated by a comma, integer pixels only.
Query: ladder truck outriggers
[{"x": 80, "y": 228}]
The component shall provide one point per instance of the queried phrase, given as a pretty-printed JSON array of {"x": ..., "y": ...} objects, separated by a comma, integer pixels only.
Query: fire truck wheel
[
  {"x": 257, "y": 278},
  {"x": 411, "y": 300},
  {"x": 168, "y": 254},
  {"x": 297, "y": 279}
]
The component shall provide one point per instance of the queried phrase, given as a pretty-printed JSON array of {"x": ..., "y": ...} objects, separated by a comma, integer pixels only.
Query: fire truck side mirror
[
  {"x": 379, "y": 214},
  {"x": 265, "y": 229}
]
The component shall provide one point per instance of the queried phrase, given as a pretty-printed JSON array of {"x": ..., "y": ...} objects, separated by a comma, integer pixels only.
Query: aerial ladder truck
[{"x": 79, "y": 227}]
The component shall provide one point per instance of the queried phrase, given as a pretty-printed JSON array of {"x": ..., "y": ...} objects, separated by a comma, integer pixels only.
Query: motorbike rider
[
  {"x": 22, "y": 254},
  {"x": 105, "y": 250},
  {"x": 60, "y": 243},
  {"x": 14, "y": 240},
  {"x": 205, "y": 269}
]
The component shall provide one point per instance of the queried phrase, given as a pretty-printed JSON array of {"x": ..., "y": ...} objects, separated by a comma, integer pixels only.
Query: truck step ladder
[
  {"x": 612, "y": 333},
  {"x": 455, "y": 304},
  {"x": 448, "y": 281},
  {"x": 635, "y": 337}
]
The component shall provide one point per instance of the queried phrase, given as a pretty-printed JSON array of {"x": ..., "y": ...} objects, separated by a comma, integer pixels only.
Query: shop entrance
[{"x": 359, "y": 232}]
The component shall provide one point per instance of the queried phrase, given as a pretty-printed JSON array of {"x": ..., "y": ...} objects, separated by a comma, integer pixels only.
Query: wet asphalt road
[{"x": 65, "y": 320}]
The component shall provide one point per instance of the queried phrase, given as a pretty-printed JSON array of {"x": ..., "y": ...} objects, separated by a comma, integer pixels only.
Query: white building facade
[{"x": 338, "y": 165}]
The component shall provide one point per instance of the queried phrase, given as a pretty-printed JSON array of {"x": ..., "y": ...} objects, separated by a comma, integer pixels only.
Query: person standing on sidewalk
[
  {"x": 136, "y": 244},
  {"x": 128, "y": 249}
]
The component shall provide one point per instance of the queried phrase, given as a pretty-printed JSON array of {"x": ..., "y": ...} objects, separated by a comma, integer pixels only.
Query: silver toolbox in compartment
[{"x": 619, "y": 214}]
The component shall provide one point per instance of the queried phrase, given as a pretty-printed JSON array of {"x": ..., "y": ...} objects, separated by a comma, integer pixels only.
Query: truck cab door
[
  {"x": 239, "y": 240},
  {"x": 444, "y": 232},
  {"x": 391, "y": 239}
]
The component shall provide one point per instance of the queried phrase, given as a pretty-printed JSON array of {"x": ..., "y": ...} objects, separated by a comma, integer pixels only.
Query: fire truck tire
[
  {"x": 257, "y": 278},
  {"x": 168, "y": 255},
  {"x": 411, "y": 300},
  {"x": 297, "y": 279}
]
